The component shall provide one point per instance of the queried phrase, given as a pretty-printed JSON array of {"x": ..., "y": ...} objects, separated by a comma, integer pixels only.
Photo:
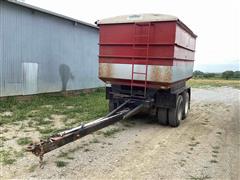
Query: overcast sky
[{"x": 216, "y": 22}]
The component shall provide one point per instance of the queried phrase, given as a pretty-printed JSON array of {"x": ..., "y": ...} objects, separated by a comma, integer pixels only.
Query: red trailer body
[{"x": 151, "y": 50}]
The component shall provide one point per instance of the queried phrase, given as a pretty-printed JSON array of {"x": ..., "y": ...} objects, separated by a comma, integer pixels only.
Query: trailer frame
[{"x": 163, "y": 100}]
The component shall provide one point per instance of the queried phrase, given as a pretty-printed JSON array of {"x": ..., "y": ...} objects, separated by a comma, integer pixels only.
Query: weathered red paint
[
  {"x": 163, "y": 62},
  {"x": 170, "y": 43}
]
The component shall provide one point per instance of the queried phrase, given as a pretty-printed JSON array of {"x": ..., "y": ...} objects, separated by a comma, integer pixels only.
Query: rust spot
[
  {"x": 160, "y": 74},
  {"x": 105, "y": 70},
  {"x": 100, "y": 70},
  {"x": 166, "y": 76},
  {"x": 109, "y": 70},
  {"x": 155, "y": 74}
]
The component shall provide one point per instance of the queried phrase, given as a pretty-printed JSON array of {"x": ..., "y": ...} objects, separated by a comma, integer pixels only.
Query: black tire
[
  {"x": 175, "y": 114},
  {"x": 162, "y": 116},
  {"x": 186, "y": 104}
]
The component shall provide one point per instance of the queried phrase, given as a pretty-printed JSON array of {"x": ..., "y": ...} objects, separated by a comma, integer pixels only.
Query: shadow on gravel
[{"x": 141, "y": 120}]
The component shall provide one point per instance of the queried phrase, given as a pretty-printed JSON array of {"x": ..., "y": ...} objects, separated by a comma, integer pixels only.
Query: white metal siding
[
  {"x": 30, "y": 78},
  {"x": 57, "y": 45},
  {"x": 1, "y": 46}
]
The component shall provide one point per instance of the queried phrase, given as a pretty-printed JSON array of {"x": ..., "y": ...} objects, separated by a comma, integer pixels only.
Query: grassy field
[
  {"x": 42, "y": 116},
  {"x": 204, "y": 83},
  {"x": 40, "y": 108}
]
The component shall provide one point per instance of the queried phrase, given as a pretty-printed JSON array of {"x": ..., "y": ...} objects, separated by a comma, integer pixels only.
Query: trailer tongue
[{"x": 129, "y": 108}]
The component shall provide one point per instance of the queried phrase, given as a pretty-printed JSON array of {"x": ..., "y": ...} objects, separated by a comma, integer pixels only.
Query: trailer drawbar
[{"x": 129, "y": 108}]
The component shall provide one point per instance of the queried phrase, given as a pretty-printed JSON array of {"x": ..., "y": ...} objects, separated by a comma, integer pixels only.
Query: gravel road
[{"x": 206, "y": 145}]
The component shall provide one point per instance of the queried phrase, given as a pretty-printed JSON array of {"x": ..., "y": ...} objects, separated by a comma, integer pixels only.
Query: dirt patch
[
  {"x": 6, "y": 114},
  {"x": 58, "y": 120},
  {"x": 206, "y": 145},
  {"x": 47, "y": 106}
]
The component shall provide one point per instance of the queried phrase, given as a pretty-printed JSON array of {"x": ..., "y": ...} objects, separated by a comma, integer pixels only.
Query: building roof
[
  {"x": 138, "y": 18},
  {"x": 50, "y": 13}
]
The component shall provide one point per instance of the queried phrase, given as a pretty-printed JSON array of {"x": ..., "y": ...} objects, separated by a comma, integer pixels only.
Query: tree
[
  {"x": 227, "y": 74},
  {"x": 236, "y": 75},
  {"x": 198, "y": 74},
  {"x": 209, "y": 75}
]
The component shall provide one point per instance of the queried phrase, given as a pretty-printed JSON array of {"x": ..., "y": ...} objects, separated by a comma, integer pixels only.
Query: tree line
[{"x": 223, "y": 75}]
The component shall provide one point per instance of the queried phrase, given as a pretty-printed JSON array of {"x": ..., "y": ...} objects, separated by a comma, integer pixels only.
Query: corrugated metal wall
[
  {"x": 59, "y": 53},
  {"x": 1, "y": 58}
]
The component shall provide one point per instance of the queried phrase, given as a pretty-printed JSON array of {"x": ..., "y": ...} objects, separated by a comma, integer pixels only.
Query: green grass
[
  {"x": 202, "y": 177},
  {"x": 32, "y": 168},
  {"x": 9, "y": 156},
  {"x": 216, "y": 147},
  {"x": 128, "y": 123},
  {"x": 2, "y": 138},
  {"x": 65, "y": 155},
  {"x": 61, "y": 163},
  {"x": 68, "y": 154},
  {"x": 214, "y": 155},
  {"x": 24, "y": 141},
  {"x": 95, "y": 140},
  {"x": 73, "y": 150},
  {"x": 38, "y": 110},
  {"x": 213, "y": 161},
  {"x": 194, "y": 144},
  {"x": 6, "y": 157},
  {"x": 111, "y": 132},
  {"x": 203, "y": 83},
  {"x": 47, "y": 131},
  {"x": 215, "y": 151},
  {"x": 86, "y": 150}
]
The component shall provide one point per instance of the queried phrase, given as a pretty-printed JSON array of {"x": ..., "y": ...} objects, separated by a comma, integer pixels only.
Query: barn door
[{"x": 30, "y": 78}]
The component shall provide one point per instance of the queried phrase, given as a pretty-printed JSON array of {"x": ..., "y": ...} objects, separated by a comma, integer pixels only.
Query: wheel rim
[
  {"x": 179, "y": 114},
  {"x": 186, "y": 105},
  {"x": 180, "y": 109}
]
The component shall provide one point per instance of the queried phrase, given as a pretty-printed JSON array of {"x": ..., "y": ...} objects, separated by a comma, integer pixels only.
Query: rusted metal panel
[
  {"x": 160, "y": 74},
  {"x": 65, "y": 51},
  {"x": 124, "y": 71}
]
